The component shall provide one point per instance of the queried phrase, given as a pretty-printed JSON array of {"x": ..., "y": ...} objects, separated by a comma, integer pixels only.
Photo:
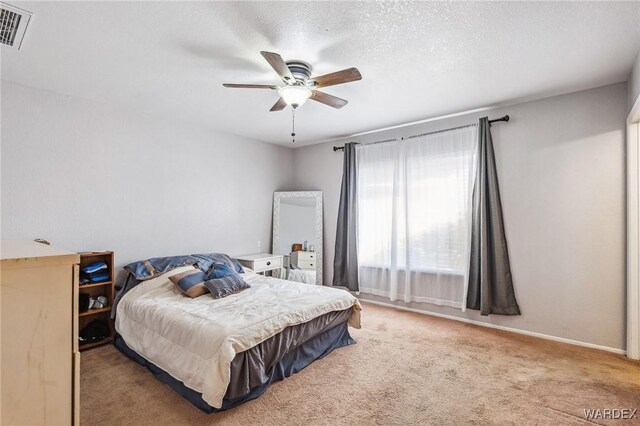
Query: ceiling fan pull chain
[{"x": 293, "y": 126}]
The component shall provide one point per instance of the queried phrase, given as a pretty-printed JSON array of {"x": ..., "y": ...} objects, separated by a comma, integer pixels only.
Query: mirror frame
[{"x": 277, "y": 197}]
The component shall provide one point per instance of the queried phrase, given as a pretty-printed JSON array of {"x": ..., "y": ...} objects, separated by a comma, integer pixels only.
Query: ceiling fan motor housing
[{"x": 300, "y": 70}]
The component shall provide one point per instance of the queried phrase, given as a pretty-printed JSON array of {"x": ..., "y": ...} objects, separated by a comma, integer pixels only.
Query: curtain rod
[{"x": 505, "y": 119}]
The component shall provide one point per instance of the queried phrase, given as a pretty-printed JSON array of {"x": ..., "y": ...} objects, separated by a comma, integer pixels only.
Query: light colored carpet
[{"x": 405, "y": 369}]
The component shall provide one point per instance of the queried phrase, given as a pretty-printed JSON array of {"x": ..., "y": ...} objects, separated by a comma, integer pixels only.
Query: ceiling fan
[{"x": 299, "y": 86}]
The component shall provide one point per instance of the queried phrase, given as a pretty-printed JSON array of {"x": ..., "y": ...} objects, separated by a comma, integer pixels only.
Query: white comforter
[{"x": 195, "y": 340}]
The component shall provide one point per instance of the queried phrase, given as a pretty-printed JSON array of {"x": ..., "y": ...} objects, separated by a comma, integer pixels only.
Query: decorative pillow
[
  {"x": 226, "y": 286},
  {"x": 190, "y": 282},
  {"x": 220, "y": 270}
]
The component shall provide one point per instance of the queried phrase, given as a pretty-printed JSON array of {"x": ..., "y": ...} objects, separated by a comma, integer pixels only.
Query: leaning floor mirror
[{"x": 297, "y": 235}]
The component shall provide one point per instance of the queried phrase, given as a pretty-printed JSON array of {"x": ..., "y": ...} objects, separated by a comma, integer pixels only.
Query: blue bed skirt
[{"x": 292, "y": 362}]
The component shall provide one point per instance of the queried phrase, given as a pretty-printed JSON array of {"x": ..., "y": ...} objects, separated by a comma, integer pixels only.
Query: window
[{"x": 414, "y": 210}]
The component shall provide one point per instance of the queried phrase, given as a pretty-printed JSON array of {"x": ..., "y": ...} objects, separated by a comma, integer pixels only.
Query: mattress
[{"x": 196, "y": 340}]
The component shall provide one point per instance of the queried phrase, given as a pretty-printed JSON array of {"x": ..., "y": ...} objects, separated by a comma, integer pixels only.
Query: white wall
[
  {"x": 634, "y": 83},
  {"x": 87, "y": 177},
  {"x": 561, "y": 166}
]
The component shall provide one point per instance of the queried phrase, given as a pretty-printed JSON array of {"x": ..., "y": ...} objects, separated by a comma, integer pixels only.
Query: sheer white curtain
[{"x": 414, "y": 216}]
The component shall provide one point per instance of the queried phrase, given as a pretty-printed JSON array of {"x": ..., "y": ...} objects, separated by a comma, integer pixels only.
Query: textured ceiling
[{"x": 418, "y": 60}]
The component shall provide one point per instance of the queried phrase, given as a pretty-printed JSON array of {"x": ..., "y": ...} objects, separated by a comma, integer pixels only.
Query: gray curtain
[
  {"x": 490, "y": 282},
  {"x": 345, "y": 262}
]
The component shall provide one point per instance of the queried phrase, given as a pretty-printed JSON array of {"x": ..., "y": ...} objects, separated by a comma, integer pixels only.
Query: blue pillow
[
  {"x": 151, "y": 268},
  {"x": 206, "y": 260},
  {"x": 190, "y": 282},
  {"x": 226, "y": 286},
  {"x": 220, "y": 270}
]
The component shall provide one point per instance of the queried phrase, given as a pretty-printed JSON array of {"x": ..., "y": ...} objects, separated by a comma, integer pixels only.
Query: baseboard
[{"x": 500, "y": 327}]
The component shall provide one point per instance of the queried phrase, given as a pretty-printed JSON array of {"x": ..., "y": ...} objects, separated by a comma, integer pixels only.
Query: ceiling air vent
[{"x": 13, "y": 25}]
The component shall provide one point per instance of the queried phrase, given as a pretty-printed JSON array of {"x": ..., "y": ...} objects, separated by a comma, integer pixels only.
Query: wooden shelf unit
[
  {"x": 103, "y": 288},
  {"x": 91, "y": 312},
  {"x": 96, "y": 284},
  {"x": 98, "y": 343}
]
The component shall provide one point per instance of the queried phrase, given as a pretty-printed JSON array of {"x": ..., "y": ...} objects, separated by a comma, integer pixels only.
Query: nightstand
[
  {"x": 261, "y": 262},
  {"x": 303, "y": 259}
]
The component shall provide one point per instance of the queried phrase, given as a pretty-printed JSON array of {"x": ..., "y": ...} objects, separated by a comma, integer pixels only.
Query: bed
[{"x": 220, "y": 353}]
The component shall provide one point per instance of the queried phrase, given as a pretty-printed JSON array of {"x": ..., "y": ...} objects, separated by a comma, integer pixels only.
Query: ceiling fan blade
[
  {"x": 278, "y": 106},
  {"x": 251, "y": 86},
  {"x": 324, "y": 98},
  {"x": 338, "y": 77},
  {"x": 278, "y": 64}
]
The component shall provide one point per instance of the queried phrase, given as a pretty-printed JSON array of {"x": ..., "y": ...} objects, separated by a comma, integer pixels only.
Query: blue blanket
[{"x": 149, "y": 268}]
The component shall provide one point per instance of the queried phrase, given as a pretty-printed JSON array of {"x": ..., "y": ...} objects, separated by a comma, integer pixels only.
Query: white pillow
[
  {"x": 164, "y": 278},
  {"x": 156, "y": 283},
  {"x": 248, "y": 271}
]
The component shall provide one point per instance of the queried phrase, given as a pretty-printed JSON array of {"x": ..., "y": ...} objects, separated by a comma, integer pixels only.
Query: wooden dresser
[{"x": 39, "y": 345}]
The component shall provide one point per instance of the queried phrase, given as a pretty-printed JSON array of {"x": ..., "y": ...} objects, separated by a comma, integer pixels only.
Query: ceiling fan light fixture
[{"x": 295, "y": 95}]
